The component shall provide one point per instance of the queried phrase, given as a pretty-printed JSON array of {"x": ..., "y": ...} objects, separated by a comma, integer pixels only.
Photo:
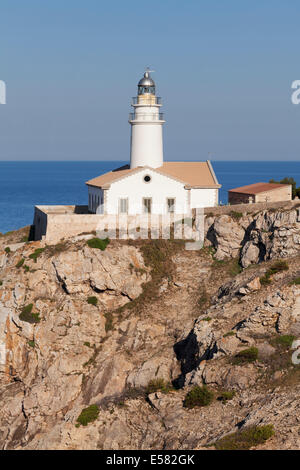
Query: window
[
  {"x": 147, "y": 202},
  {"x": 147, "y": 179},
  {"x": 171, "y": 204},
  {"x": 123, "y": 206}
]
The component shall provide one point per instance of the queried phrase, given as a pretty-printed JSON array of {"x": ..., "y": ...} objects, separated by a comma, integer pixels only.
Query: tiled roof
[
  {"x": 194, "y": 174},
  {"x": 257, "y": 188}
]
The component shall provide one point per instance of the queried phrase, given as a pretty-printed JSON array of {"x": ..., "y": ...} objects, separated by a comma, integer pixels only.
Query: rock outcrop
[
  {"x": 81, "y": 326},
  {"x": 266, "y": 235}
]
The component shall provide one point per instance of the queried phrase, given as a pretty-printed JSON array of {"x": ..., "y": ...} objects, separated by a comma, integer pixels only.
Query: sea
[{"x": 26, "y": 184}]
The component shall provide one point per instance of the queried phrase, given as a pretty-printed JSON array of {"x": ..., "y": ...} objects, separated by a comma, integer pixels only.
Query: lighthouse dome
[
  {"x": 146, "y": 85},
  {"x": 146, "y": 80}
]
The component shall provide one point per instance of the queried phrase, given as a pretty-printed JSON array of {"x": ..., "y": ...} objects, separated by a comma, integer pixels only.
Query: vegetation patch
[
  {"x": 277, "y": 267},
  {"x": 159, "y": 385},
  {"x": 218, "y": 262},
  {"x": 88, "y": 415},
  {"x": 157, "y": 255},
  {"x": 198, "y": 396},
  {"x": 52, "y": 250},
  {"x": 235, "y": 268},
  {"x": 92, "y": 300},
  {"x": 17, "y": 236},
  {"x": 206, "y": 319},
  {"x": 246, "y": 356},
  {"x": 36, "y": 254},
  {"x": 295, "y": 282},
  {"x": 232, "y": 267},
  {"x": 204, "y": 300},
  {"x": 226, "y": 396},
  {"x": 7, "y": 250},
  {"x": 265, "y": 280},
  {"x": 98, "y": 243},
  {"x": 285, "y": 341},
  {"x": 230, "y": 333},
  {"x": 20, "y": 263},
  {"x": 27, "y": 315},
  {"x": 236, "y": 215},
  {"x": 31, "y": 344},
  {"x": 279, "y": 368},
  {"x": 109, "y": 324},
  {"x": 246, "y": 438}
]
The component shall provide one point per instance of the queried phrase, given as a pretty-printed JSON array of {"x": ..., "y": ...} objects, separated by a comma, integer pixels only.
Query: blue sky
[{"x": 223, "y": 69}]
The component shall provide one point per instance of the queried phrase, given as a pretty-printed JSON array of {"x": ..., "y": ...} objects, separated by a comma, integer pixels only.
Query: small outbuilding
[{"x": 260, "y": 192}]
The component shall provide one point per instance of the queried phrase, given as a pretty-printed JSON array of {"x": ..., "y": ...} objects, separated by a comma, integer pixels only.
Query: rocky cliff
[{"x": 120, "y": 336}]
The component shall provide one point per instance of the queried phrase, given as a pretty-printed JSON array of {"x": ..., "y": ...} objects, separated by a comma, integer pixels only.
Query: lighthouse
[
  {"x": 148, "y": 185},
  {"x": 146, "y": 120}
]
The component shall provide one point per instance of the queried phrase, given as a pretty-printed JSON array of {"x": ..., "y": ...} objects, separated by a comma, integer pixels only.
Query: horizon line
[{"x": 127, "y": 161}]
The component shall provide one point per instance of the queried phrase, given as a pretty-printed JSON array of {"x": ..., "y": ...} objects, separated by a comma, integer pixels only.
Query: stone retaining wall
[
  {"x": 53, "y": 223},
  {"x": 251, "y": 208}
]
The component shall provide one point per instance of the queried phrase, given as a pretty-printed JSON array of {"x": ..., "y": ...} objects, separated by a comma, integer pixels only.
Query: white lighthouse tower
[{"x": 146, "y": 146}]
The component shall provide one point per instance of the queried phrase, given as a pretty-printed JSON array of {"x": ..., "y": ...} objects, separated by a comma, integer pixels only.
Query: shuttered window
[
  {"x": 147, "y": 202},
  {"x": 123, "y": 206},
  {"x": 171, "y": 204}
]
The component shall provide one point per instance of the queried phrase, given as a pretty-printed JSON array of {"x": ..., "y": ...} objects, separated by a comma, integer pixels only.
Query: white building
[{"x": 150, "y": 185}]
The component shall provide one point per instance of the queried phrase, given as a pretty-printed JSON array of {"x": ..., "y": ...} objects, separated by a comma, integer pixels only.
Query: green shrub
[
  {"x": 98, "y": 243},
  {"x": 206, "y": 319},
  {"x": 226, "y": 396},
  {"x": 204, "y": 299},
  {"x": 158, "y": 385},
  {"x": 109, "y": 321},
  {"x": 36, "y": 254},
  {"x": 277, "y": 267},
  {"x": 20, "y": 263},
  {"x": 265, "y": 280},
  {"x": 26, "y": 268},
  {"x": 92, "y": 300},
  {"x": 198, "y": 396},
  {"x": 7, "y": 250},
  {"x": 285, "y": 340},
  {"x": 246, "y": 356},
  {"x": 245, "y": 439},
  {"x": 235, "y": 268},
  {"x": 236, "y": 215},
  {"x": 27, "y": 315},
  {"x": 1, "y": 283},
  {"x": 295, "y": 282},
  {"x": 88, "y": 415},
  {"x": 230, "y": 333},
  {"x": 31, "y": 344}
]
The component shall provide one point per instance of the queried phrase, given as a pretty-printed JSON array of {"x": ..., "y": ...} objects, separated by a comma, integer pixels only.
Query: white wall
[
  {"x": 204, "y": 197},
  {"x": 159, "y": 189},
  {"x": 135, "y": 189}
]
